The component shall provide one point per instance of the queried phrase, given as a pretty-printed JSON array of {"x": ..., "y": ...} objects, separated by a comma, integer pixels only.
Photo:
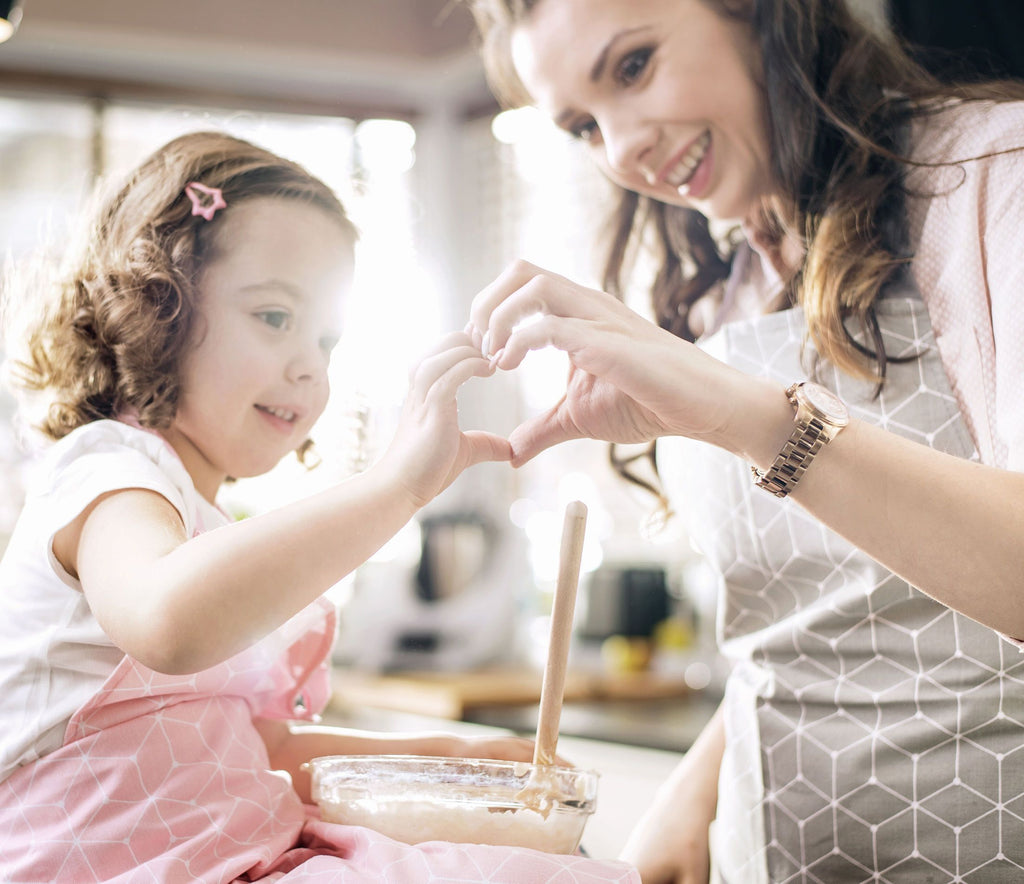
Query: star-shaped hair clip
[{"x": 205, "y": 200}]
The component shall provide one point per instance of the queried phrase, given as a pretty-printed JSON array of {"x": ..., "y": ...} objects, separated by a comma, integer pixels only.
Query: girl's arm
[
  {"x": 670, "y": 843},
  {"x": 291, "y": 745},
  {"x": 180, "y": 605}
]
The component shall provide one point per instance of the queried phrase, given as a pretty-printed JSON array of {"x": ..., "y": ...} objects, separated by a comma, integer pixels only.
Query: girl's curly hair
[{"x": 104, "y": 337}]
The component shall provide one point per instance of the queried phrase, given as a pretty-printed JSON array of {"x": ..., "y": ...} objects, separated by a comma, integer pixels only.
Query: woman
[{"x": 868, "y": 732}]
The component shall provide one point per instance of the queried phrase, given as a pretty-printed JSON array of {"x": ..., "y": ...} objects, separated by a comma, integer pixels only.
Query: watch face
[{"x": 828, "y": 405}]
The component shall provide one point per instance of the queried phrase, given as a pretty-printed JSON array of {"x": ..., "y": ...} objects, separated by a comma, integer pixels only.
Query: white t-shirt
[{"x": 53, "y": 654}]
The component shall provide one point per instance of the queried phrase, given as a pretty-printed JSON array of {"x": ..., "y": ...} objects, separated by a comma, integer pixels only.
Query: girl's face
[
  {"x": 256, "y": 380},
  {"x": 664, "y": 91}
]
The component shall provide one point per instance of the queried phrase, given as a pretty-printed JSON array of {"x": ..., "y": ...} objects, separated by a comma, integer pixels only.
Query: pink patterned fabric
[{"x": 164, "y": 779}]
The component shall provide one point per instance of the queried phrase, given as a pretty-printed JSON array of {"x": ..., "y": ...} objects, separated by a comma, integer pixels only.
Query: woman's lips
[{"x": 680, "y": 174}]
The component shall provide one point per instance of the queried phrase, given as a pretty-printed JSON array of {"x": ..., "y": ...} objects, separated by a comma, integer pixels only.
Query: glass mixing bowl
[{"x": 466, "y": 800}]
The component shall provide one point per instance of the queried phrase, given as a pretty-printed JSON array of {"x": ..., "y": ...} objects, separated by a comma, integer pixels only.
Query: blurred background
[{"x": 386, "y": 101}]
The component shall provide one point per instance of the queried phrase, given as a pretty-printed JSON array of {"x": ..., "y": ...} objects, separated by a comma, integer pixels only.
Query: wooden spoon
[{"x": 536, "y": 794}]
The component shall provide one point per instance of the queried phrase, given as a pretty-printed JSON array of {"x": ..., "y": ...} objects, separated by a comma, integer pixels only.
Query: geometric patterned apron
[{"x": 872, "y": 734}]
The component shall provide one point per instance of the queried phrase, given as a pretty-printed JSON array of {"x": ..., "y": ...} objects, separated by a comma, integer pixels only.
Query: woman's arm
[
  {"x": 670, "y": 843},
  {"x": 950, "y": 527},
  {"x": 291, "y": 745}
]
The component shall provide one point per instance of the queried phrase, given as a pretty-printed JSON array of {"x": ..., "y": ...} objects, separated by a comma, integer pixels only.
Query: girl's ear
[{"x": 307, "y": 455}]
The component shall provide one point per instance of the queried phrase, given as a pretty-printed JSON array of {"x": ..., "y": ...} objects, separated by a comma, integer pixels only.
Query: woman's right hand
[{"x": 629, "y": 380}]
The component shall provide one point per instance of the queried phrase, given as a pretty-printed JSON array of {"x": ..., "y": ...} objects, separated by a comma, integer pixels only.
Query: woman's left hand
[{"x": 629, "y": 380}]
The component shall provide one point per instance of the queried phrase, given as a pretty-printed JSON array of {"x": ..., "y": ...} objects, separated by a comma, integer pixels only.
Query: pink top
[
  {"x": 164, "y": 778},
  {"x": 969, "y": 268},
  {"x": 967, "y": 232}
]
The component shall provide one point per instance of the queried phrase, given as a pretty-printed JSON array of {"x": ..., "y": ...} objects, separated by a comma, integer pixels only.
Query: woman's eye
[
  {"x": 632, "y": 66},
  {"x": 279, "y": 319},
  {"x": 585, "y": 130}
]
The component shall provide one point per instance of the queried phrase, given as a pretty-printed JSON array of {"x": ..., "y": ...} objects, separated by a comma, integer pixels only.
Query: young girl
[{"x": 152, "y": 654}]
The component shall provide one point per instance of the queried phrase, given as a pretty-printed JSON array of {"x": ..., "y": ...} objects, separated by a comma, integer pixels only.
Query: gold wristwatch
[{"x": 820, "y": 415}]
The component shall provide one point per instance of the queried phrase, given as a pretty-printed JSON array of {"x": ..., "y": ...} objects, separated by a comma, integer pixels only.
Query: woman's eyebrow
[{"x": 597, "y": 71}]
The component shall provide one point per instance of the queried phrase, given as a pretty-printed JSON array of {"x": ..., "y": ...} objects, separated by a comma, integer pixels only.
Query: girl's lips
[{"x": 280, "y": 417}]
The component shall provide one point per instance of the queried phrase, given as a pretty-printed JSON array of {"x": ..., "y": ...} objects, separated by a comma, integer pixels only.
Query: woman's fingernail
[
  {"x": 485, "y": 345},
  {"x": 496, "y": 358}
]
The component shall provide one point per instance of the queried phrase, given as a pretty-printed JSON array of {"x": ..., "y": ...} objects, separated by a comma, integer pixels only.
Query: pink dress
[{"x": 164, "y": 779}]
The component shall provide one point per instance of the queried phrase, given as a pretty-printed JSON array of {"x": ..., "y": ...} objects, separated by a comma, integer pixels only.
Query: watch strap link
[{"x": 794, "y": 458}]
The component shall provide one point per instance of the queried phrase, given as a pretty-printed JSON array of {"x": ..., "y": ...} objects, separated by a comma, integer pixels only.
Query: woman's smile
[{"x": 665, "y": 92}]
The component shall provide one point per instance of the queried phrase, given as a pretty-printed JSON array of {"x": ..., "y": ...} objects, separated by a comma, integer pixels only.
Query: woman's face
[{"x": 665, "y": 93}]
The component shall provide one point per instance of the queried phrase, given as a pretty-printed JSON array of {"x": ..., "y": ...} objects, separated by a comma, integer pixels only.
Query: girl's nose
[{"x": 308, "y": 364}]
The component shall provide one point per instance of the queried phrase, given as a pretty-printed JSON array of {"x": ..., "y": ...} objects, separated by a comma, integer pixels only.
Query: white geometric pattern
[{"x": 873, "y": 734}]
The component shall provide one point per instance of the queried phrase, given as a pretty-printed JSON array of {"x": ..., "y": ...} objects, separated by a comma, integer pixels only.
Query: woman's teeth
[
  {"x": 680, "y": 176},
  {"x": 282, "y": 413}
]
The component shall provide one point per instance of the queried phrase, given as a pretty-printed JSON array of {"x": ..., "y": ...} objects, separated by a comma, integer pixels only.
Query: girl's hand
[
  {"x": 629, "y": 380},
  {"x": 500, "y": 748},
  {"x": 429, "y": 450}
]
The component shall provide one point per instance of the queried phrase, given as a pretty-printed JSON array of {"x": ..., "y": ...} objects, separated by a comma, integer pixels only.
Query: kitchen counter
[{"x": 639, "y": 709}]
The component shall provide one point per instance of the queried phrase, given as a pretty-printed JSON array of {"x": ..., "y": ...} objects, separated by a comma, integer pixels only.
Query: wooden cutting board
[{"x": 450, "y": 694}]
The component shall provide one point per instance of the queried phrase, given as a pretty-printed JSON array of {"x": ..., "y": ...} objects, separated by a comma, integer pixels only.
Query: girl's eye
[
  {"x": 279, "y": 319},
  {"x": 632, "y": 66}
]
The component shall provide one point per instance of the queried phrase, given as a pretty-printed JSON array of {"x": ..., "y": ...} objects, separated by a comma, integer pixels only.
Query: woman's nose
[{"x": 627, "y": 146}]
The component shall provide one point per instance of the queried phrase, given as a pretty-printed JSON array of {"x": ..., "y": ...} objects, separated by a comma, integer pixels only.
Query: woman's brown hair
[
  {"x": 105, "y": 338},
  {"x": 839, "y": 98}
]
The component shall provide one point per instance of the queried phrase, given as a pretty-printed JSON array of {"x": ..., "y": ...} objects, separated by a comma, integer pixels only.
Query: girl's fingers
[
  {"x": 448, "y": 343},
  {"x": 430, "y": 370}
]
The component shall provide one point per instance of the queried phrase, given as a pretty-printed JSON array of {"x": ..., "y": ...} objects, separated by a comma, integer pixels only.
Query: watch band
[{"x": 806, "y": 440}]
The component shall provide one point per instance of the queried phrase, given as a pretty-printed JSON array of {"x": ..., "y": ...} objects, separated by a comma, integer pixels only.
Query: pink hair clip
[{"x": 205, "y": 200}]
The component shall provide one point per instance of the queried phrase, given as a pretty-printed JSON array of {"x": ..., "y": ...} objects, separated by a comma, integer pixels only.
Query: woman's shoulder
[{"x": 959, "y": 131}]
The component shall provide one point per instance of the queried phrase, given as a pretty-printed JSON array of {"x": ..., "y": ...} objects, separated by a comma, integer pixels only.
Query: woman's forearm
[{"x": 950, "y": 527}]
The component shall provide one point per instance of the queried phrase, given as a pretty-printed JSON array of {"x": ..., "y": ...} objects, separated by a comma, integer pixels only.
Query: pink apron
[{"x": 164, "y": 779}]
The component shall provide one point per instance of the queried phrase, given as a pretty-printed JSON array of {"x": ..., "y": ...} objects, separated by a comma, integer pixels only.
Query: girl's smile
[{"x": 664, "y": 91}]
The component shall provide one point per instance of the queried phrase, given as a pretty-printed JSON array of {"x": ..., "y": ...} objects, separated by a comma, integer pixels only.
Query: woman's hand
[
  {"x": 629, "y": 380},
  {"x": 429, "y": 450},
  {"x": 670, "y": 843}
]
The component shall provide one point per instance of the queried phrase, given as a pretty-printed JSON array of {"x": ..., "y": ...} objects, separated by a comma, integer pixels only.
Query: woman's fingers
[
  {"x": 537, "y": 434},
  {"x": 522, "y": 291},
  {"x": 487, "y": 447}
]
